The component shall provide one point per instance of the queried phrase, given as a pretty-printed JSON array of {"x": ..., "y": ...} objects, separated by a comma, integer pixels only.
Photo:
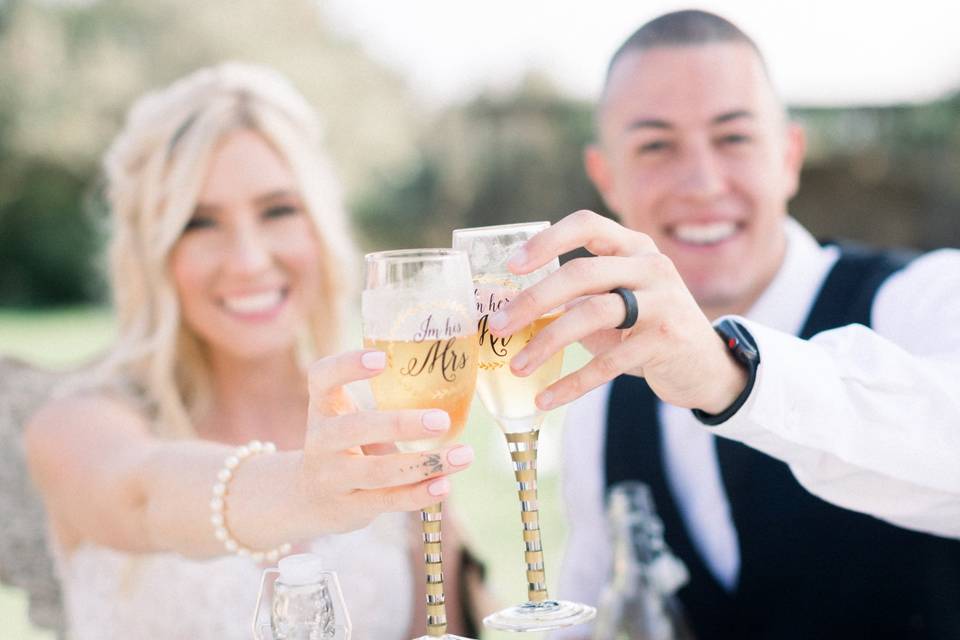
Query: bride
[{"x": 210, "y": 439}]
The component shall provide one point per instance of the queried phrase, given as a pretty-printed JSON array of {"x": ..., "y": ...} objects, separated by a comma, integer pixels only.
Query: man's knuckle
[
  {"x": 659, "y": 264},
  {"x": 584, "y": 216},
  {"x": 530, "y": 299}
]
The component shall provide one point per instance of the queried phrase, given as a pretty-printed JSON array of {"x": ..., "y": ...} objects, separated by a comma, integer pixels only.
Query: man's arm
[
  {"x": 870, "y": 420},
  {"x": 849, "y": 403}
]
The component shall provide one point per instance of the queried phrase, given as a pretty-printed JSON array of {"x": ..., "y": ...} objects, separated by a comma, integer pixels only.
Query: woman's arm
[{"x": 107, "y": 480}]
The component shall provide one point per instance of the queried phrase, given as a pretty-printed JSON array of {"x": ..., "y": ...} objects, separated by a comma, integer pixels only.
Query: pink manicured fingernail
[
  {"x": 545, "y": 400},
  {"x": 439, "y": 487},
  {"x": 435, "y": 420},
  {"x": 460, "y": 455},
  {"x": 519, "y": 362},
  {"x": 499, "y": 320},
  {"x": 518, "y": 260},
  {"x": 374, "y": 360}
]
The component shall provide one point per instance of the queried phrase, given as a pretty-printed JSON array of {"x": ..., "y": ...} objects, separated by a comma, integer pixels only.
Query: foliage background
[{"x": 70, "y": 68}]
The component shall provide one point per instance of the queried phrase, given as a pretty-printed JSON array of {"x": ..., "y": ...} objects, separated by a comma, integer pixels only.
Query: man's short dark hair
[{"x": 683, "y": 28}]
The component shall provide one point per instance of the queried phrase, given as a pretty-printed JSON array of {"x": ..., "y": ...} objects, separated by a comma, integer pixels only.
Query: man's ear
[
  {"x": 795, "y": 150},
  {"x": 598, "y": 170}
]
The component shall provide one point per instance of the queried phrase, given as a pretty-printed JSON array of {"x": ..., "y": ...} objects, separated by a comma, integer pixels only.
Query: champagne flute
[
  {"x": 418, "y": 308},
  {"x": 510, "y": 399}
]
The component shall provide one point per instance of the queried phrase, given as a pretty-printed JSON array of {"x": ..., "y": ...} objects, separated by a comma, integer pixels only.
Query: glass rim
[
  {"x": 502, "y": 227},
  {"x": 414, "y": 255}
]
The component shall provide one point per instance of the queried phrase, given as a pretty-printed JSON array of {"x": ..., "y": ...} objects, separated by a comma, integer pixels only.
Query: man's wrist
[
  {"x": 745, "y": 360},
  {"x": 727, "y": 387}
]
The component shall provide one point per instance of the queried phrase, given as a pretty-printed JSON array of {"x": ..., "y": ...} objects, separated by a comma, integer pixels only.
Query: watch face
[{"x": 739, "y": 341}]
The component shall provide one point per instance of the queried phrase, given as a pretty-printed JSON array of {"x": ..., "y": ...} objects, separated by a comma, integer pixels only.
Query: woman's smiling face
[{"x": 246, "y": 268}]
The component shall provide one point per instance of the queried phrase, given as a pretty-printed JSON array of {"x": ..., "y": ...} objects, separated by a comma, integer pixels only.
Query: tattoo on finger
[{"x": 432, "y": 464}]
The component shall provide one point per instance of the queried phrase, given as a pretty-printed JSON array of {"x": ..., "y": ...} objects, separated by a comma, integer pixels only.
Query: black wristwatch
[{"x": 744, "y": 350}]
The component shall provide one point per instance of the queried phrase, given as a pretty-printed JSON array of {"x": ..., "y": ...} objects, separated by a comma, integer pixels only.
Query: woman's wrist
[{"x": 264, "y": 509}]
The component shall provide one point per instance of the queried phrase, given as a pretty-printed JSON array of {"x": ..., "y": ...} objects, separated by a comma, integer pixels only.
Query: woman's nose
[{"x": 249, "y": 250}]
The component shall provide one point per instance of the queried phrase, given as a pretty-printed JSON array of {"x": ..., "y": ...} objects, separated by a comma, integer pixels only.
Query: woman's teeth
[{"x": 256, "y": 303}]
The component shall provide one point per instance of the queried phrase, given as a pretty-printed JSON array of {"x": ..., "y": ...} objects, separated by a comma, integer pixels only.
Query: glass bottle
[
  {"x": 307, "y": 603},
  {"x": 639, "y": 602}
]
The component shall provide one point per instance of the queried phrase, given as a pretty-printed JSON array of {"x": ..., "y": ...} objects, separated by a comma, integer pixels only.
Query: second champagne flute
[
  {"x": 510, "y": 399},
  {"x": 418, "y": 309}
]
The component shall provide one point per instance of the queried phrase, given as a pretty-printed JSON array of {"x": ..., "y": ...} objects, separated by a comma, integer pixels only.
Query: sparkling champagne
[
  {"x": 509, "y": 398},
  {"x": 434, "y": 374}
]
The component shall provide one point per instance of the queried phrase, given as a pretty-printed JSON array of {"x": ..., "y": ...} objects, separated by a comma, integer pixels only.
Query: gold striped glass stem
[
  {"x": 523, "y": 452},
  {"x": 433, "y": 557}
]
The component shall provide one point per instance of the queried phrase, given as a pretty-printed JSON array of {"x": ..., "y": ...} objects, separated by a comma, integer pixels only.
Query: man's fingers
[
  {"x": 374, "y": 427},
  {"x": 576, "y": 278},
  {"x": 601, "y": 236},
  {"x": 399, "y": 469},
  {"x": 606, "y": 366},
  {"x": 587, "y": 317},
  {"x": 327, "y": 376}
]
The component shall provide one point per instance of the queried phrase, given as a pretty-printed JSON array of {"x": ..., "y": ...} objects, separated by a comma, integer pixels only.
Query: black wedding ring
[{"x": 630, "y": 302}]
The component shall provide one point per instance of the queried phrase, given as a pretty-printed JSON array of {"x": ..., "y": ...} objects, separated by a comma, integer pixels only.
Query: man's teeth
[
  {"x": 256, "y": 303},
  {"x": 705, "y": 233}
]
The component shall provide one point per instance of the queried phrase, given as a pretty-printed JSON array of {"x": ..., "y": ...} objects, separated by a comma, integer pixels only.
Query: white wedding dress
[{"x": 109, "y": 595}]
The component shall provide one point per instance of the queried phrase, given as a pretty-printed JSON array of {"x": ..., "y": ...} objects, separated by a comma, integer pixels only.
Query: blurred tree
[
  {"x": 888, "y": 175},
  {"x": 493, "y": 160},
  {"x": 70, "y": 68}
]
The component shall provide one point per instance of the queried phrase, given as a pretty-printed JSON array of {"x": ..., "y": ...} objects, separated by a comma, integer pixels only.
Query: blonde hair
[{"x": 154, "y": 171}]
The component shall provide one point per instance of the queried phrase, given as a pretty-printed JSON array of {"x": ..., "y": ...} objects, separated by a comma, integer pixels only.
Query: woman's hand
[
  {"x": 672, "y": 344},
  {"x": 342, "y": 484}
]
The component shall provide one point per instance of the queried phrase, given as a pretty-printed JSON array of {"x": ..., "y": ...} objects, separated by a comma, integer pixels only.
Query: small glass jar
[{"x": 307, "y": 603}]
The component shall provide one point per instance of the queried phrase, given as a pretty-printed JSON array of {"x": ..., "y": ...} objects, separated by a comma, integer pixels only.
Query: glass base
[
  {"x": 540, "y": 616},
  {"x": 445, "y": 636}
]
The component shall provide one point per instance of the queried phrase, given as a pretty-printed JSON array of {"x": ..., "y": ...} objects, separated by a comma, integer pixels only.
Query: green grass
[
  {"x": 55, "y": 339},
  {"x": 484, "y": 498}
]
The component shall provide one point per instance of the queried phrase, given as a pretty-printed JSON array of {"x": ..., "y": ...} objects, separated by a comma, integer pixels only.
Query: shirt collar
[{"x": 786, "y": 302}]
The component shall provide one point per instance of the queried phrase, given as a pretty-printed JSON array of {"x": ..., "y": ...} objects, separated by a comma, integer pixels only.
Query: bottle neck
[{"x": 629, "y": 555}]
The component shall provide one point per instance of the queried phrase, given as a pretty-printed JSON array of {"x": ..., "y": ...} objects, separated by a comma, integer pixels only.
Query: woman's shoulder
[
  {"x": 72, "y": 425},
  {"x": 82, "y": 408}
]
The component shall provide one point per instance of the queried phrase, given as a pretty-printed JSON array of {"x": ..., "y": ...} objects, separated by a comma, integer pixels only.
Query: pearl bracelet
[{"x": 218, "y": 504}]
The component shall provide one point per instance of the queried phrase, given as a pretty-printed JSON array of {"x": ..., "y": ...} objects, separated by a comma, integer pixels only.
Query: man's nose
[{"x": 703, "y": 177}]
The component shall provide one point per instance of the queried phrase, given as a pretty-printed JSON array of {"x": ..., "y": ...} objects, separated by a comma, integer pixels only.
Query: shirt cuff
[{"x": 782, "y": 357}]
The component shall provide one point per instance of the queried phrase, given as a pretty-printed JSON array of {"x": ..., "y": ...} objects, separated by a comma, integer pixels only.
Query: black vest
[{"x": 808, "y": 570}]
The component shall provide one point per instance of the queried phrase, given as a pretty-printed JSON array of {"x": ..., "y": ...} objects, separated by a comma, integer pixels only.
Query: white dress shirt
[{"x": 866, "y": 419}]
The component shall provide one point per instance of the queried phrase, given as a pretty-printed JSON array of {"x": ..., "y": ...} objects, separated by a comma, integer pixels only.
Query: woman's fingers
[
  {"x": 327, "y": 376},
  {"x": 405, "y": 498},
  {"x": 399, "y": 469},
  {"x": 363, "y": 428}
]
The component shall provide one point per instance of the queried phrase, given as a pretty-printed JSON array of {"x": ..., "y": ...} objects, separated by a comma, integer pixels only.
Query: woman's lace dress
[{"x": 110, "y": 595}]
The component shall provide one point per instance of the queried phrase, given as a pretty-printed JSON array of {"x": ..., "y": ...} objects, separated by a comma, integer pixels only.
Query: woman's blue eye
[{"x": 199, "y": 222}]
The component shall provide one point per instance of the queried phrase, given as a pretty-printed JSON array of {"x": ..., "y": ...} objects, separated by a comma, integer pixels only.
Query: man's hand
[{"x": 672, "y": 344}]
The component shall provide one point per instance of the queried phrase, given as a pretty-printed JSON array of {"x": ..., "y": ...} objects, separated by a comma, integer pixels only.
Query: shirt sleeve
[
  {"x": 587, "y": 560},
  {"x": 870, "y": 419}
]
